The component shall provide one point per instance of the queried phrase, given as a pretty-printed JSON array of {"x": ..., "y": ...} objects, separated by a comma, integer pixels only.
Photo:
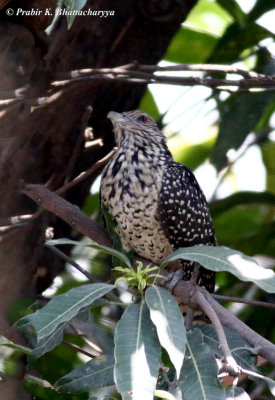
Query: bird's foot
[{"x": 172, "y": 279}]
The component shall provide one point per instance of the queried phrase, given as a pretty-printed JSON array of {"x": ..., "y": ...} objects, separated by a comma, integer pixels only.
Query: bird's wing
[
  {"x": 182, "y": 209},
  {"x": 184, "y": 215}
]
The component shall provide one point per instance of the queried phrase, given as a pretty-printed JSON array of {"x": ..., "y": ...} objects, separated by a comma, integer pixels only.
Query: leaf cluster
[{"x": 152, "y": 351}]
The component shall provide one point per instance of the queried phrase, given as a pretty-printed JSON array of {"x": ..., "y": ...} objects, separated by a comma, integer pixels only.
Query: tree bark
[{"x": 36, "y": 143}]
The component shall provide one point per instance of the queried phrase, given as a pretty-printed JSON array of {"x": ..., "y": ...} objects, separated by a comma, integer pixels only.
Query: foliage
[
  {"x": 148, "y": 349},
  {"x": 139, "y": 277},
  {"x": 149, "y": 324}
]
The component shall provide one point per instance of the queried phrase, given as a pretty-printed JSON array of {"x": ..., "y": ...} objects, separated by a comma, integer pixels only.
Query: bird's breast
[{"x": 130, "y": 190}]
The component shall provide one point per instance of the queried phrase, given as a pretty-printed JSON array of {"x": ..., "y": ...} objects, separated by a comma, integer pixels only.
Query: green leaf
[
  {"x": 111, "y": 226},
  {"x": 137, "y": 354},
  {"x": 95, "y": 373},
  {"x": 162, "y": 394},
  {"x": 250, "y": 230},
  {"x": 5, "y": 342},
  {"x": 165, "y": 314},
  {"x": 64, "y": 308},
  {"x": 49, "y": 342},
  {"x": 108, "y": 250},
  {"x": 268, "y": 152},
  {"x": 237, "y": 38},
  {"x": 198, "y": 378},
  {"x": 203, "y": 14},
  {"x": 193, "y": 155},
  {"x": 233, "y": 8},
  {"x": 91, "y": 205},
  {"x": 241, "y": 198},
  {"x": 240, "y": 348},
  {"x": 180, "y": 50},
  {"x": 221, "y": 258},
  {"x": 239, "y": 116},
  {"x": 73, "y": 5},
  {"x": 149, "y": 105}
]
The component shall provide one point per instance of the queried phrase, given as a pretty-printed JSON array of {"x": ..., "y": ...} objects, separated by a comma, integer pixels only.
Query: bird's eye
[{"x": 142, "y": 118}]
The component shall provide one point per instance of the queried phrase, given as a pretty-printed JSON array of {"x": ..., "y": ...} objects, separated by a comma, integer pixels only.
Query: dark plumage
[{"x": 157, "y": 203}]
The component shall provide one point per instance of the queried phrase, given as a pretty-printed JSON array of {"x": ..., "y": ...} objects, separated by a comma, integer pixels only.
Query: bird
[{"x": 155, "y": 202}]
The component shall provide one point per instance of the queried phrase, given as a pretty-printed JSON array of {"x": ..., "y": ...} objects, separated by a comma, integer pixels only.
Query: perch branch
[{"x": 68, "y": 212}]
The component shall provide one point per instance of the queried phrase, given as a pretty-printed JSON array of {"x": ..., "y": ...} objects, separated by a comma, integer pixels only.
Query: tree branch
[
  {"x": 147, "y": 78},
  {"x": 206, "y": 307},
  {"x": 185, "y": 293},
  {"x": 68, "y": 212},
  {"x": 260, "y": 344},
  {"x": 147, "y": 74}
]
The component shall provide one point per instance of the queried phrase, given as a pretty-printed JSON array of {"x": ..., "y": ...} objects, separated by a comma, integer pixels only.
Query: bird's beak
[{"x": 115, "y": 116}]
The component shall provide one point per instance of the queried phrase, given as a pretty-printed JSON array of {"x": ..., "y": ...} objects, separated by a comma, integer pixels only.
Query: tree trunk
[{"x": 37, "y": 142}]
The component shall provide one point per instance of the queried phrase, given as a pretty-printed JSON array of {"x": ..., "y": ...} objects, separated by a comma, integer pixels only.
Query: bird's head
[{"x": 136, "y": 127}]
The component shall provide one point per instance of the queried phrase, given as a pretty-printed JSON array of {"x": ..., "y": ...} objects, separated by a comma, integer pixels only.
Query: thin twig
[
  {"x": 79, "y": 349},
  {"x": 261, "y": 386},
  {"x": 85, "y": 339},
  {"x": 245, "y": 301},
  {"x": 200, "y": 300},
  {"x": 86, "y": 174},
  {"x": 71, "y": 261},
  {"x": 14, "y": 220},
  {"x": 251, "y": 373},
  {"x": 110, "y": 296},
  {"x": 249, "y": 141},
  {"x": 83, "y": 125},
  {"x": 261, "y": 345}
]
